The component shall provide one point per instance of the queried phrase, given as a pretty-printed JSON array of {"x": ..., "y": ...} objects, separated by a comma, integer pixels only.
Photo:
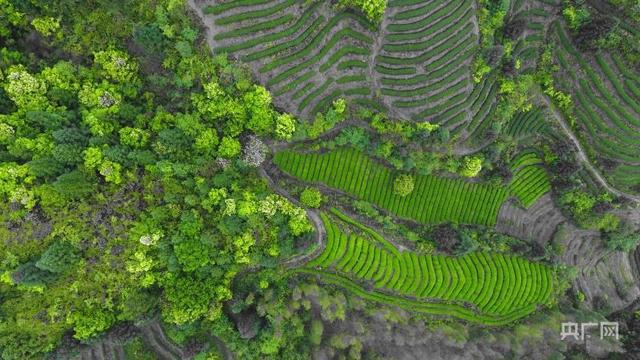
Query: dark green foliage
[{"x": 59, "y": 257}]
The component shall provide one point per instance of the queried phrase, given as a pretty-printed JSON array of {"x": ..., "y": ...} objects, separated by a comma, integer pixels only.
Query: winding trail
[
  {"x": 312, "y": 215},
  {"x": 582, "y": 155}
]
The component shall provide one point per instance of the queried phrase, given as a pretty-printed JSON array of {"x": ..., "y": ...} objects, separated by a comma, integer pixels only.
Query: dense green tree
[
  {"x": 625, "y": 238},
  {"x": 471, "y": 166},
  {"x": 58, "y": 258},
  {"x": 311, "y": 197}
]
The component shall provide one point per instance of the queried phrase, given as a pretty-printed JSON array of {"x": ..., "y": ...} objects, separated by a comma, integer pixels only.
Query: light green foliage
[
  {"x": 576, "y": 16},
  {"x": 471, "y": 166},
  {"x": 427, "y": 126},
  {"x": 373, "y": 9},
  {"x": 479, "y": 68},
  {"x": 258, "y": 104},
  {"x": 580, "y": 202},
  {"x": 311, "y": 197},
  {"x": 86, "y": 325},
  {"x": 47, "y": 26},
  {"x": 188, "y": 299},
  {"x": 117, "y": 66},
  {"x": 206, "y": 141},
  {"x": 134, "y": 137},
  {"x": 26, "y": 90},
  {"x": 323, "y": 123},
  {"x": 11, "y": 17},
  {"x": 490, "y": 18},
  {"x": 515, "y": 95},
  {"x": 403, "y": 185},
  {"x": 229, "y": 147},
  {"x": 285, "y": 126}
]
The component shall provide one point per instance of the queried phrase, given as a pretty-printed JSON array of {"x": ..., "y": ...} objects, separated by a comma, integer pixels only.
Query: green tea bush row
[
  {"x": 270, "y": 38},
  {"x": 496, "y": 285},
  {"x": 530, "y": 180},
  {"x": 256, "y": 14},
  {"x": 433, "y": 200}
]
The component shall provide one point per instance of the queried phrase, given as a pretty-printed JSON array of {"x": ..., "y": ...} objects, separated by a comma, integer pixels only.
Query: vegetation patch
[{"x": 499, "y": 288}]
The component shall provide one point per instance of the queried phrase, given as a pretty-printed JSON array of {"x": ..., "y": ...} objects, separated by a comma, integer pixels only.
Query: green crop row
[
  {"x": 443, "y": 17},
  {"x": 256, "y": 14},
  {"x": 348, "y": 64},
  {"x": 617, "y": 84},
  {"x": 395, "y": 71},
  {"x": 319, "y": 90},
  {"x": 293, "y": 84},
  {"x": 449, "y": 79},
  {"x": 453, "y": 95},
  {"x": 312, "y": 59},
  {"x": 608, "y": 148},
  {"x": 526, "y": 124},
  {"x": 419, "y": 11},
  {"x": 342, "y": 52},
  {"x": 220, "y": 8},
  {"x": 530, "y": 180},
  {"x": 326, "y": 101},
  {"x": 465, "y": 50},
  {"x": 494, "y": 284},
  {"x": 314, "y": 45},
  {"x": 270, "y": 38},
  {"x": 263, "y": 26},
  {"x": 351, "y": 78},
  {"x": 433, "y": 200},
  {"x": 526, "y": 158},
  {"x": 451, "y": 42},
  {"x": 484, "y": 104},
  {"x": 621, "y": 131},
  {"x": 423, "y": 45},
  {"x": 456, "y": 65},
  {"x": 275, "y": 49},
  {"x": 429, "y": 20},
  {"x": 438, "y": 309}
]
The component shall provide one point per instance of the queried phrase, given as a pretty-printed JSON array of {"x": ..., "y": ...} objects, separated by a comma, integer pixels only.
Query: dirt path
[{"x": 582, "y": 156}]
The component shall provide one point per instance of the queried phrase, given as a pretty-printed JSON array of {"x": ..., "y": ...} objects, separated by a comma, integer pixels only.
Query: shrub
[
  {"x": 373, "y": 9},
  {"x": 58, "y": 258},
  {"x": 471, "y": 166},
  {"x": 311, "y": 197},
  {"x": 229, "y": 147},
  {"x": 403, "y": 185},
  {"x": 285, "y": 126},
  {"x": 626, "y": 238},
  {"x": 576, "y": 16}
]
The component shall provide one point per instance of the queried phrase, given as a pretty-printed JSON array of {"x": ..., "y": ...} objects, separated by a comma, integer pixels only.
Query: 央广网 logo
[{"x": 580, "y": 331}]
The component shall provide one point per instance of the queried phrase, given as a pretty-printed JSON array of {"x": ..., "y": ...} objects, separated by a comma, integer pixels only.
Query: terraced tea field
[
  {"x": 606, "y": 94},
  {"x": 530, "y": 180},
  {"x": 487, "y": 288},
  {"x": 527, "y": 124},
  {"x": 433, "y": 200},
  {"x": 416, "y": 63}
]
